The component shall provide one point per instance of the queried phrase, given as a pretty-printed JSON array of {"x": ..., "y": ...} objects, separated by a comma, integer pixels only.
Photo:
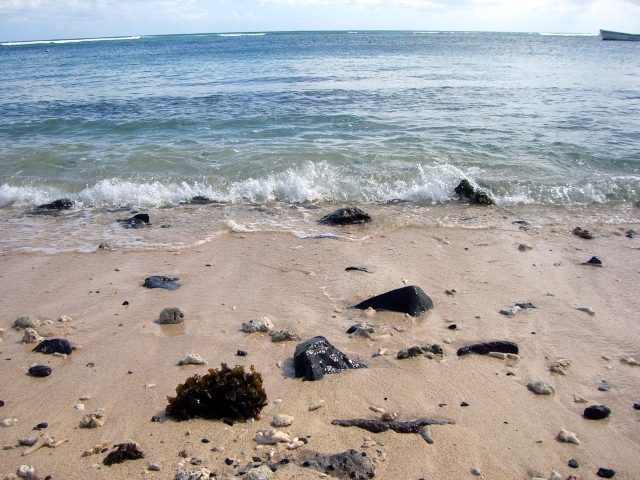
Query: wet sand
[{"x": 506, "y": 431}]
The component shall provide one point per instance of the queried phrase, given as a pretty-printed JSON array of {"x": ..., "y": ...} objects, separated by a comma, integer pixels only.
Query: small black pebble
[
  {"x": 1, "y": 403},
  {"x": 464, "y": 404},
  {"x": 205, "y": 440},
  {"x": 606, "y": 473},
  {"x": 635, "y": 405},
  {"x": 511, "y": 374},
  {"x": 385, "y": 398},
  {"x": 305, "y": 463},
  {"x": 241, "y": 472},
  {"x": 453, "y": 326},
  {"x": 126, "y": 302},
  {"x": 104, "y": 450},
  {"x": 48, "y": 477},
  {"x": 90, "y": 365},
  {"x": 40, "y": 371},
  {"x": 129, "y": 372},
  {"x": 573, "y": 463},
  {"x": 506, "y": 423},
  {"x": 257, "y": 459},
  {"x": 442, "y": 404},
  {"x": 242, "y": 353},
  {"x": 303, "y": 440},
  {"x": 229, "y": 421},
  {"x": 207, "y": 265},
  {"x": 40, "y": 426},
  {"x": 284, "y": 461},
  {"x": 533, "y": 333},
  {"x": 228, "y": 461},
  {"x": 155, "y": 418},
  {"x": 604, "y": 388}
]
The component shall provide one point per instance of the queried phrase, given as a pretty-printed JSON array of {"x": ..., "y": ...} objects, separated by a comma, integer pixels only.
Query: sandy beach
[{"x": 126, "y": 362}]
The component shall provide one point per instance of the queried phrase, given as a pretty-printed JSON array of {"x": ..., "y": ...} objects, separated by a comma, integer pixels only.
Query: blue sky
[{"x": 52, "y": 19}]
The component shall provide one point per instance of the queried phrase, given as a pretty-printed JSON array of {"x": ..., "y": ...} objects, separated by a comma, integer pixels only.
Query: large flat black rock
[
  {"x": 502, "y": 346},
  {"x": 410, "y": 299},
  {"x": 316, "y": 356}
]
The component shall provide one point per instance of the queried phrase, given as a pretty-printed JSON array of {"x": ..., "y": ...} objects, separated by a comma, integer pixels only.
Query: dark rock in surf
[
  {"x": 594, "y": 262},
  {"x": 137, "y": 221},
  {"x": 345, "y": 216},
  {"x": 486, "y": 347},
  {"x": 160, "y": 281},
  {"x": 200, "y": 200},
  {"x": 316, "y": 356},
  {"x": 40, "y": 371},
  {"x": 55, "y": 345},
  {"x": 410, "y": 299},
  {"x": 62, "y": 204},
  {"x": 346, "y": 465},
  {"x": 466, "y": 190},
  {"x": 596, "y": 412}
]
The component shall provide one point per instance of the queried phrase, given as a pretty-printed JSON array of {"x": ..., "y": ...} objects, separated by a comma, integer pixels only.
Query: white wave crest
[{"x": 73, "y": 40}]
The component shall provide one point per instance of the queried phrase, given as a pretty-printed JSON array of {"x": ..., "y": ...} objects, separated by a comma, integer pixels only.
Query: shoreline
[{"x": 302, "y": 285}]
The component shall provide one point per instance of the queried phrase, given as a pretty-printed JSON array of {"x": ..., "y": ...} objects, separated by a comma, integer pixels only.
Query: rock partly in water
[
  {"x": 486, "y": 347},
  {"x": 596, "y": 412},
  {"x": 594, "y": 262},
  {"x": 420, "y": 350},
  {"x": 223, "y": 393},
  {"x": 171, "y": 315},
  {"x": 55, "y": 345},
  {"x": 284, "y": 336},
  {"x": 345, "y": 216},
  {"x": 346, "y": 465},
  {"x": 137, "y": 221},
  {"x": 62, "y": 204},
  {"x": 606, "y": 473},
  {"x": 474, "y": 195},
  {"x": 160, "y": 281},
  {"x": 122, "y": 452},
  {"x": 31, "y": 336},
  {"x": 262, "y": 324},
  {"x": 410, "y": 299},
  {"x": 541, "y": 388},
  {"x": 316, "y": 357},
  {"x": 40, "y": 371},
  {"x": 27, "y": 321}
]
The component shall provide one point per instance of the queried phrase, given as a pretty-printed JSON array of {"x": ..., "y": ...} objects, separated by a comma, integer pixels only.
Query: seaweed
[
  {"x": 123, "y": 451},
  {"x": 224, "y": 393}
]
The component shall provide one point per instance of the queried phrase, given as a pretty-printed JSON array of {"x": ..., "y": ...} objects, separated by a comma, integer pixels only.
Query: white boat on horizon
[{"x": 609, "y": 35}]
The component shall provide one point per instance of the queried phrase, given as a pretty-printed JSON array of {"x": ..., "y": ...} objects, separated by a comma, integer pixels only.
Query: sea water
[{"x": 279, "y": 128}]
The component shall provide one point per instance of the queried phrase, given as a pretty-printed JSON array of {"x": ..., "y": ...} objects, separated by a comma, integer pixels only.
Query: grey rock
[
  {"x": 27, "y": 321},
  {"x": 541, "y": 388},
  {"x": 263, "y": 472},
  {"x": 262, "y": 324},
  {"x": 346, "y": 465},
  {"x": 171, "y": 315},
  {"x": 284, "y": 336}
]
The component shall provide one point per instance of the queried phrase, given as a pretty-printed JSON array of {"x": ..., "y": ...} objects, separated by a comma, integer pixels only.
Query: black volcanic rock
[
  {"x": 486, "y": 347},
  {"x": 594, "y": 262},
  {"x": 348, "y": 465},
  {"x": 160, "y": 281},
  {"x": 316, "y": 356},
  {"x": 410, "y": 299},
  {"x": 345, "y": 216},
  {"x": 40, "y": 371},
  {"x": 137, "y": 221},
  {"x": 62, "y": 204},
  {"x": 596, "y": 412},
  {"x": 606, "y": 473},
  {"x": 55, "y": 345},
  {"x": 474, "y": 195}
]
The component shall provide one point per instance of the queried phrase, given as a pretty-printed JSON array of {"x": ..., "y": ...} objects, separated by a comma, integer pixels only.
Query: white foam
[
  {"x": 241, "y": 34},
  {"x": 74, "y": 40},
  {"x": 569, "y": 34}
]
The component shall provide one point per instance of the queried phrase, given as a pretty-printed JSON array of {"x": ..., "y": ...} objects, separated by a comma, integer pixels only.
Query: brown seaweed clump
[
  {"x": 224, "y": 393},
  {"x": 123, "y": 451}
]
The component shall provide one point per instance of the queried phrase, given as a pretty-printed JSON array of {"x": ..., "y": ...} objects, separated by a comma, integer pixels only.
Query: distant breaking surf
[
  {"x": 240, "y": 34},
  {"x": 75, "y": 40}
]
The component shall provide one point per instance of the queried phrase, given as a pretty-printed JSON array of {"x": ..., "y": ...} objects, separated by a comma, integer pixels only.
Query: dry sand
[{"x": 507, "y": 432}]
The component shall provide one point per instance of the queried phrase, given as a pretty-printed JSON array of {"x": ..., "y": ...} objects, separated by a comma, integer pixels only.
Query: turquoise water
[{"x": 327, "y": 118}]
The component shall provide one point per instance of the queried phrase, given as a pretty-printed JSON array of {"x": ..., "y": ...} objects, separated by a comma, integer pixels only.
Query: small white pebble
[
  {"x": 277, "y": 400},
  {"x": 154, "y": 467},
  {"x": 447, "y": 341},
  {"x": 79, "y": 406},
  {"x": 607, "y": 358}
]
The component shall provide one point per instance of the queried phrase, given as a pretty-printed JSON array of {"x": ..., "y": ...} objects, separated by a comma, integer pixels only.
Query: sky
[{"x": 22, "y": 20}]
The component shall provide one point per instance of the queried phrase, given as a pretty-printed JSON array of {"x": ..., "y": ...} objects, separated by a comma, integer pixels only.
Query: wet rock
[
  {"x": 192, "y": 359},
  {"x": 582, "y": 233},
  {"x": 345, "y": 216},
  {"x": 596, "y": 412},
  {"x": 263, "y": 472},
  {"x": 359, "y": 269},
  {"x": 93, "y": 420},
  {"x": 606, "y": 473},
  {"x": 594, "y": 262},
  {"x": 284, "y": 336},
  {"x": 137, "y": 221},
  {"x": 420, "y": 350},
  {"x": 122, "y": 452},
  {"x": 200, "y": 200},
  {"x": 315, "y": 357},
  {"x": 474, "y": 195},
  {"x": 40, "y": 371},
  {"x": 377, "y": 426},
  {"x": 160, "y": 281},
  {"x": 31, "y": 336},
  {"x": 410, "y": 299},
  {"x": 223, "y": 393},
  {"x": 573, "y": 463},
  {"x": 171, "y": 315},
  {"x": 262, "y": 324},
  {"x": 486, "y": 347},
  {"x": 55, "y": 345},
  {"x": 541, "y": 388},
  {"x": 27, "y": 321},
  {"x": 62, "y": 204},
  {"x": 346, "y": 465}
]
